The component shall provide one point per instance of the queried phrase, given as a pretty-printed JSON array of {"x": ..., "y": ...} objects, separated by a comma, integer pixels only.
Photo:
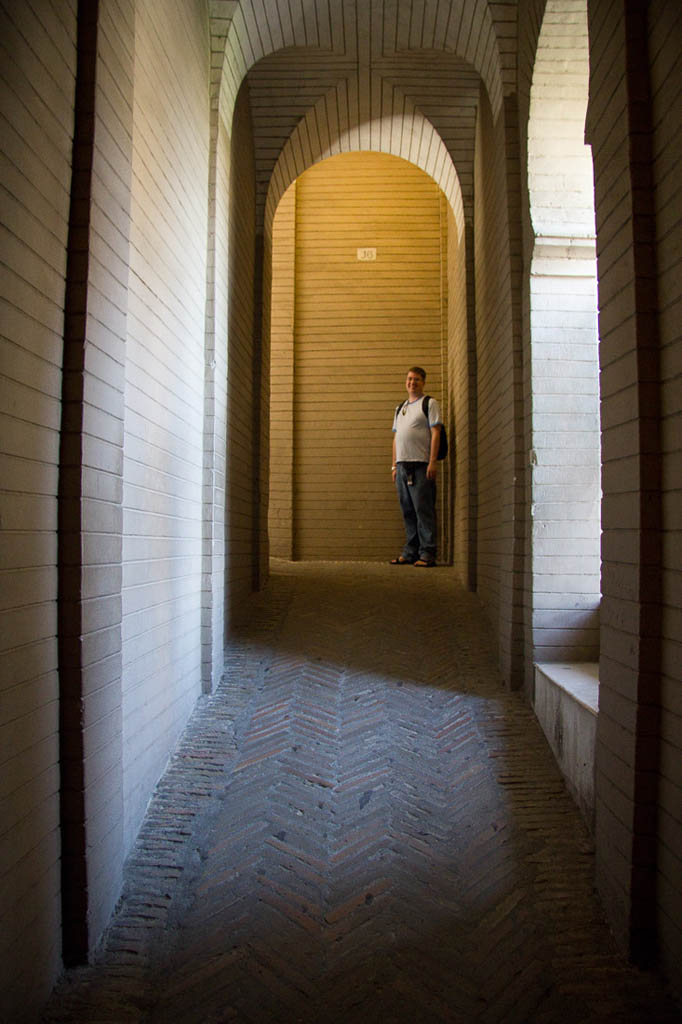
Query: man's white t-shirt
[{"x": 412, "y": 432}]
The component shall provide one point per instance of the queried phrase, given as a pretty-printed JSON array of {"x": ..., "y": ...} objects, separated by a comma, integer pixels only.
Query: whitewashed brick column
[
  {"x": 166, "y": 419},
  {"x": 215, "y": 374},
  {"x": 500, "y": 533},
  {"x": 628, "y": 730},
  {"x": 90, "y": 487},
  {"x": 514, "y": 509}
]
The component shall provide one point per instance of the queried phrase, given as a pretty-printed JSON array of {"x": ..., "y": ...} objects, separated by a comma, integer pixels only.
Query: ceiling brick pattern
[{"x": 329, "y": 77}]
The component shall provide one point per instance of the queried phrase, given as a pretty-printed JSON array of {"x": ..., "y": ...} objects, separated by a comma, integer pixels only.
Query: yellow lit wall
[{"x": 341, "y": 345}]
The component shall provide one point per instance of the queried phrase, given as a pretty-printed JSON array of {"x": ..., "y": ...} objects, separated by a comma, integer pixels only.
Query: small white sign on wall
[{"x": 366, "y": 255}]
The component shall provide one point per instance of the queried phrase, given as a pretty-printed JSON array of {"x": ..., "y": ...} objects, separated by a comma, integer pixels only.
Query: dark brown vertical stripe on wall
[
  {"x": 70, "y": 627},
  {"x": 644, "y": 933},
  {"x": 256, "y": 413},
  {"x": 517, "y": 495},
  {"x": 280, "y": 506},
  {"x": 472, "y": 403},
  {"x": 241, "y": 395}
]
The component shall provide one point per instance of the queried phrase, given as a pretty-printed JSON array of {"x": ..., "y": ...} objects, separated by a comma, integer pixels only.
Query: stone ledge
[
  {"x": 579, "y": 680},
  {"x": 566, "y": 704}
]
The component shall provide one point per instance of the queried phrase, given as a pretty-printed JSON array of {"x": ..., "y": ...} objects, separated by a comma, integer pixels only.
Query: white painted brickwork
[
  {"x": 618, "y": 656},
  {"x": 561, "y": 360},
  {"x": 257, "y": 31},
  {"x": 164, "y": 394},
  {"x": 322, "y": 135},
  {"x": 629, "y": 752},
  {"x": 215, "y": 369},
  {"x": 495, "y": 373},
  {"x": 38, "y": 47},
  {"x": 89, "y": 547},
  {"x": 666, "y": 34},
  {"x": 216, "y": 424},
  {"x": 172, "y": 317},
  {"x": 565, "y": 460}
]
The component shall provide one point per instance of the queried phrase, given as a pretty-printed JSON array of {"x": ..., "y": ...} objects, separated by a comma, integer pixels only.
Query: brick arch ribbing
[
  {"x": 560, "y": 185},
  {"x": 400, "y": 131},
  {"x": 359, "y": 31}
]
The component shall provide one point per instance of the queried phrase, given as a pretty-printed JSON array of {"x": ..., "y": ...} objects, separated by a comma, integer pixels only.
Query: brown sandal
[
  {"x": 424, "y": 563},
  {"x": 401, "y": 561}
]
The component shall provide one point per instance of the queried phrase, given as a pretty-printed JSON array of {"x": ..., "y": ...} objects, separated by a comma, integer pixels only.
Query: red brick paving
[{"x": 361, "y": 825}]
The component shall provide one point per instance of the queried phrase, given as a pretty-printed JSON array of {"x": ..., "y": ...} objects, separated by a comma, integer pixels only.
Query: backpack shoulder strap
[{"x": 425, "y": 405}]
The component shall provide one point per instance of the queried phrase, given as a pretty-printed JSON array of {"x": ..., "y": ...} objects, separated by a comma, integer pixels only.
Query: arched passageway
[
  {"x": 144, "y": 158},
  {"x": 361, "y": 825},
  {"x": 344, "y": 330}
]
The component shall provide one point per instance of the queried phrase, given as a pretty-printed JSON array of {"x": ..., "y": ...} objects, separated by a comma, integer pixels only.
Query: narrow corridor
[{"x": 360, "y": 825}]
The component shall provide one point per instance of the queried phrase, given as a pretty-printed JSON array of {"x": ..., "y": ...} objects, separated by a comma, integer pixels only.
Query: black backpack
[{"x": 443, "y": 443}]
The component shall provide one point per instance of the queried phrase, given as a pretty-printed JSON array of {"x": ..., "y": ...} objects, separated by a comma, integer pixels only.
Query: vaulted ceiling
[{"x": 401, "y": 76}]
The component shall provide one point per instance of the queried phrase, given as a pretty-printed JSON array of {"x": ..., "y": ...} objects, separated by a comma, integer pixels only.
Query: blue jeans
[{"x": 418, "y": 506}]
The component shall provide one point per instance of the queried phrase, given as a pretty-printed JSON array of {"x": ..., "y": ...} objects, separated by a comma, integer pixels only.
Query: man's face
[{"x": 414, "y": 385}]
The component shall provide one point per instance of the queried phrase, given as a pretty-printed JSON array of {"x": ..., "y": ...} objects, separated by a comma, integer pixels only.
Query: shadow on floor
[{"x": 361, "y": 825}]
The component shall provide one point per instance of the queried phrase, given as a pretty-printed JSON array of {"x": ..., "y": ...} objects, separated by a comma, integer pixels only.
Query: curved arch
[
  {"x": 401, "y": 131},
  {"x": 334, "y": 318},
  {"x": 257, "y": 30},
  {"x": 559, "y": 161}
]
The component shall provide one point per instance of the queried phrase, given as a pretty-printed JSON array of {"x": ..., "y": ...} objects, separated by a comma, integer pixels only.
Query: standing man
[{"x": 415, "y": 454}]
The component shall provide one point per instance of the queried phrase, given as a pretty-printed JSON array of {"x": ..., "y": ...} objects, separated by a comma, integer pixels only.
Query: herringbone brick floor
[{"x": 361, "y": 825}]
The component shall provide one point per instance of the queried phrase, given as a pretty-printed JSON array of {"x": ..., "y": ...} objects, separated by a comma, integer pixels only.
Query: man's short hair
[{"x": 419, "y": 370}]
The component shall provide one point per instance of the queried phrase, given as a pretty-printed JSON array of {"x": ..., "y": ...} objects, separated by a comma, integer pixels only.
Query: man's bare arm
[{"x": 432, "y": 467}]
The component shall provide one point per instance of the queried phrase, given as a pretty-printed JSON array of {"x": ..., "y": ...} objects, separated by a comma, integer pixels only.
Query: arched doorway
[{"x": 359, "y": 294}]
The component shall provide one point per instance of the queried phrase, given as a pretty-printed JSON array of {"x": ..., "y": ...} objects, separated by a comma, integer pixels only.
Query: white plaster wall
[{"x": 163, "y": 446}]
